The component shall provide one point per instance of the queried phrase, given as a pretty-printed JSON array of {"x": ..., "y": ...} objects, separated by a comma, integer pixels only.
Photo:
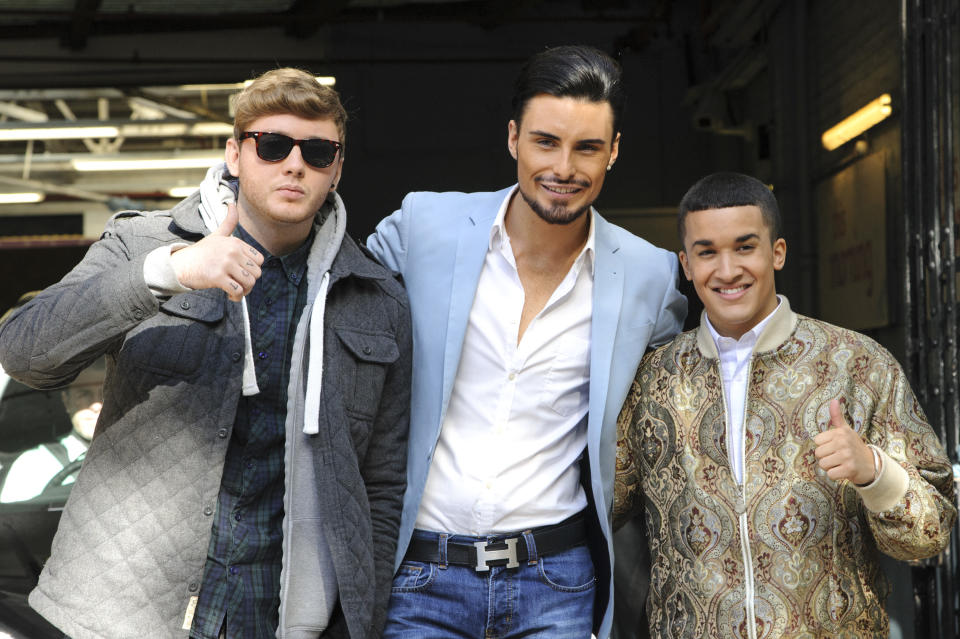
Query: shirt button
[
  {"x": 512, "y": 376},
  {"x": 236, "y": 357},
  {"x": 193, "y": 587},
  {"x": 137, "y": 313},
  {"x": 269, "y": 301},
  {"x": 222, "y": 433},
  {"x": 237, "y": 516},
  {"x": 234, "y": 570},
  {"x": 367, "y": 350},
  {"x": 185, "y": 305},
  {"x": 208, "y": 511},
  {"x": 249, "y": 464},
  {"x": 262, "y": 355}
]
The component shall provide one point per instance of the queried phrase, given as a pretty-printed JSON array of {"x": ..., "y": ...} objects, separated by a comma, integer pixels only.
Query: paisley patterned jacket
[{"x": 789, "y": 552}]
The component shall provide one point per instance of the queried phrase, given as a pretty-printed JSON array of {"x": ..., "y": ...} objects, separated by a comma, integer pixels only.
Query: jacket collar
[
  {"x": 185, "y": 215},
  {"x": 777, "y": 331}
]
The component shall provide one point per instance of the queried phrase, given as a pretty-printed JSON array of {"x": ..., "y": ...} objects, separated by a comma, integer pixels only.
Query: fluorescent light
[
  {"x": 182, "y": 191},
  {"x": 855, "y": 124},
  {"x": 137, "y": 129},
  {"x": 58, "y": 133},
  {"x": 21, "y": 198},
  {"x": 162, "y": 129},
  {"x": 148, "y": 163}
]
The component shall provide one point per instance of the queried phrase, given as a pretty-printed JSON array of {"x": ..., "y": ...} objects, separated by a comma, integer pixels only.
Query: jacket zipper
[{"x": 746, "y": 554}]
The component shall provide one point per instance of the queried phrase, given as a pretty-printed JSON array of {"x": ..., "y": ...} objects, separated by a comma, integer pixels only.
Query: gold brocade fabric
[{"x": 804, "y": 557}]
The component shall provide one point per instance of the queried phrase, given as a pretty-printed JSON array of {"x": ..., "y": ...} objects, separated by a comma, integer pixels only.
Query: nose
[
  {"x": 563, "y": 165},
  {"x": 728, "y": 268},
  {"x": 293, "y": 164}
]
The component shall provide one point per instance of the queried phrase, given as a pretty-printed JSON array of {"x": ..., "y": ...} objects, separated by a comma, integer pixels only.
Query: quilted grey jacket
[{"x": 128, "y": 557}]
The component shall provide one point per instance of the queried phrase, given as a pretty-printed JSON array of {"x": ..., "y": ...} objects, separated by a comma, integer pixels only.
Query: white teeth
[
  {"x": 731, "y": 291},
  {"x": 561, "y": 189}
]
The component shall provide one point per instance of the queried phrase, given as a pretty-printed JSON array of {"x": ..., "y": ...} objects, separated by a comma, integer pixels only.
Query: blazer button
[
  {"x": 367, "y": 350},
  {"x": 208, "y": 511},
  {"x": 236, "y": 357},
  {"x": 185, "y": 305},
  {"x": 193, "y": 587},
  {"x": 222, "y": 433},
  {"x": 137, "y": 313}
]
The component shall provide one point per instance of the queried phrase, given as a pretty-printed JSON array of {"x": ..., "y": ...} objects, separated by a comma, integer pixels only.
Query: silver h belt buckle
[{"x": 509, "y": 553}]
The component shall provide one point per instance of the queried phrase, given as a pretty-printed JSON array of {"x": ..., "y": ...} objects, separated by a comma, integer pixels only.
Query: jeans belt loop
[
  {"x": 443, "y": 550},
  {"x": 532, "y": 557}
]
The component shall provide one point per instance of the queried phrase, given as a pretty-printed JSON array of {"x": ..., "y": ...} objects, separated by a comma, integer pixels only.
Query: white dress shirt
[
  {"x": 734, "y": 369},
  {"x": 508, "y": 454}
]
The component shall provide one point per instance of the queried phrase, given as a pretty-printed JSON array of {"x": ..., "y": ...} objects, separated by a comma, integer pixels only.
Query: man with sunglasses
[
  {"x": 247, "y": 472},
  {"x": 531, "y": 315}
]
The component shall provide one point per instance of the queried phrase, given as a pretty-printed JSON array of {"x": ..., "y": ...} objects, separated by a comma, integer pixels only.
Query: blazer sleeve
[
  {"x": 389, "y": 240},
  {"x": 673, "y": 306}
]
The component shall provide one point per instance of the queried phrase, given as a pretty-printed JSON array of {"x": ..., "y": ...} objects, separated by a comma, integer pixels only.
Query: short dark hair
[
  {"x": 723, "y": 190},
  {"x": 572, "y": 71}
]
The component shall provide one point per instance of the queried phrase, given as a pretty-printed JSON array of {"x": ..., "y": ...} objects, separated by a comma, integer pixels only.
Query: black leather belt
[{"x": 503, "y": 551}]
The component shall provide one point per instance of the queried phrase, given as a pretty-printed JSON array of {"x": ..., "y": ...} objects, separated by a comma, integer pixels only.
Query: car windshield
[{"x": 44, "y": 435}]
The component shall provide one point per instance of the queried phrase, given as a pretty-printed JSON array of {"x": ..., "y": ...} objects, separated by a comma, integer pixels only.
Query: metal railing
[{"x": 930, "y": 129}]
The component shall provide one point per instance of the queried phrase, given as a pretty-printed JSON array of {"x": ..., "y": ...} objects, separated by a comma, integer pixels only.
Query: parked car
[{"x": 40, "y": 456}]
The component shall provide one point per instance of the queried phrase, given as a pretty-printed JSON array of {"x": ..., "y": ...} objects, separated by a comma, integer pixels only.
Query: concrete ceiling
[{"x": 128, "y": 63}]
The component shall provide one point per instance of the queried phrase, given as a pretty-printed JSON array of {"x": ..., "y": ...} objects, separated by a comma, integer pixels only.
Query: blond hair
[{"x": 292, "y": 91}]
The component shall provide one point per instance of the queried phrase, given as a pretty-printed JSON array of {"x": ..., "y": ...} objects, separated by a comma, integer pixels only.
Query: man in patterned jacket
[{"x": 776, "y": 455}]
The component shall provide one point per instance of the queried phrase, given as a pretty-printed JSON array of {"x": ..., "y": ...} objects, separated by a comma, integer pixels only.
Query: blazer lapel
[
  {"x": 472, "y": 247},
  {"x": 607, "y": 301}
]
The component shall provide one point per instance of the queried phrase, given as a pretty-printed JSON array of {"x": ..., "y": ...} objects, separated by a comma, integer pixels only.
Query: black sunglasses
[{"x": 273, "y": 147}]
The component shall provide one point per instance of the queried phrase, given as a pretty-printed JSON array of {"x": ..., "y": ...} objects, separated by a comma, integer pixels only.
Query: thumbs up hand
[
  {"x": 841, "y": 451},
  {"x": 219, "y": 260}
]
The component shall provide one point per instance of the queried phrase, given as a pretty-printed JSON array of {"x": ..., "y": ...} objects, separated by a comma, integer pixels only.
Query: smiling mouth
[
  {"x": 732, "y": 291},
  {"x": 560, "y": 189}
]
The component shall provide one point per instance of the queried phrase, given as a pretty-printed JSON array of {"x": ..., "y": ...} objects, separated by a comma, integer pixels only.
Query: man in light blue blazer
[{"x": 531, "y": 313}]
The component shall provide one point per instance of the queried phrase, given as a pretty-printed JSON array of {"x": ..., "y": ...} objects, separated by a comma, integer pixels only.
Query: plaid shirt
[{"x": 241, "y": 580}]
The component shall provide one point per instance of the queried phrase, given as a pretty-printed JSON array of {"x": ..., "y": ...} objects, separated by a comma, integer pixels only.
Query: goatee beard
[{"x": 558, "y": 214}]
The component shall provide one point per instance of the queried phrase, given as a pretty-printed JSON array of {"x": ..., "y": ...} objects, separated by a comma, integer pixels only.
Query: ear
[
  {"x": 338, "y": 173},
  {"x": 614, "y": 149},
  {"x": 231, "y": 156},
  {"x": 779, "y": 253},
  {"x": 686, "y": 267},
  {"x": 513, "y": 136}
]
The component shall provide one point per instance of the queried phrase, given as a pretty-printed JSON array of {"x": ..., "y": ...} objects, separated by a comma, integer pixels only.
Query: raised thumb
[
  {"x": 229, "y": 222},
  {"x": 836, "y": 415}
]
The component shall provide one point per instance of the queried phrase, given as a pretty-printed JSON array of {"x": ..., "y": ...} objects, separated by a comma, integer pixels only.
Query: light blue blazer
[{"x": 438, "y": 243}]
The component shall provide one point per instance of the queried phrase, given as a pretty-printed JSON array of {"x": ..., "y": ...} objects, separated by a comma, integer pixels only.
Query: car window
[{"x": 44, "y": 435}]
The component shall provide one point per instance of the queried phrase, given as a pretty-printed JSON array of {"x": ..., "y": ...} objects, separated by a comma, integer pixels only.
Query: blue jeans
[{"x": 547, "y": 597}]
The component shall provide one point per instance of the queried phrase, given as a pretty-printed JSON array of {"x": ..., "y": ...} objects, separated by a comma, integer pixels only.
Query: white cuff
[
  {"x": 888, "y": 489},
  {"x": 158, "y": 271}
]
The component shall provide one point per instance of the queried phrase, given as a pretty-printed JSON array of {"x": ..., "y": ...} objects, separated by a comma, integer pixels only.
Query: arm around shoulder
[
  {"x": 673, "y": 306},
  {"x": 388, "y": 242}
]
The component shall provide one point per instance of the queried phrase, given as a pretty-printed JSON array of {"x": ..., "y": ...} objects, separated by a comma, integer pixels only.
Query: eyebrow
[
  {"x": 545, "y": 134},
  {"x": 739, "y": 240}
]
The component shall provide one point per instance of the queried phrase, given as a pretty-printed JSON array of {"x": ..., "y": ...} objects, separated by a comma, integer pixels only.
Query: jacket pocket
[
  {"x": 365, "y": 370},
  {"x": 174, "y": 342}
]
